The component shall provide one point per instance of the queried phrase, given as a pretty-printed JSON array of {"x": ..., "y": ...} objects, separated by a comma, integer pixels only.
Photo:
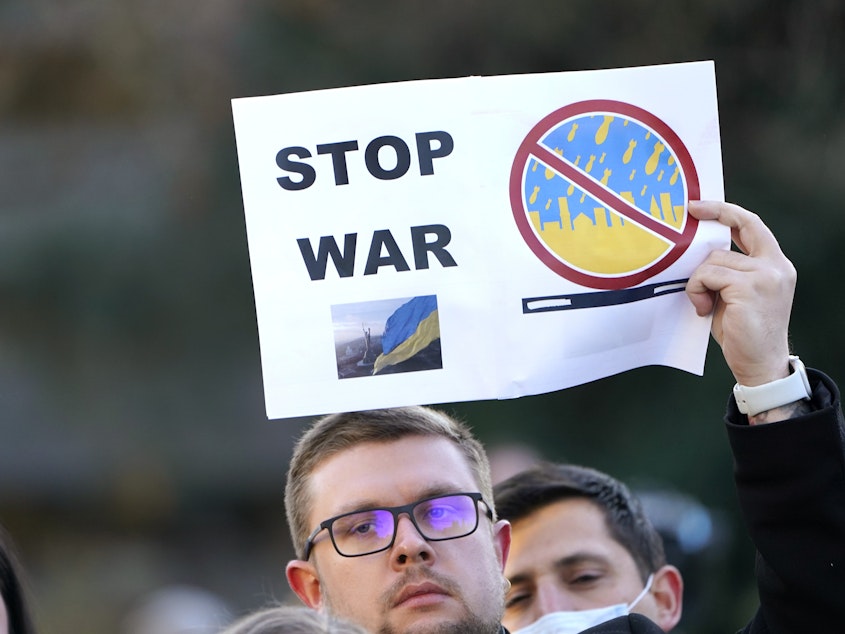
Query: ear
[
  {"x": 667, "y": 589},
  {"x": 304, "y": 581},
  {"x": 502, "y": 541}
]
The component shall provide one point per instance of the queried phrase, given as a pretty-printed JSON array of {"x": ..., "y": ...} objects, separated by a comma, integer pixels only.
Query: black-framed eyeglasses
[{"x": 369, "y": 531}]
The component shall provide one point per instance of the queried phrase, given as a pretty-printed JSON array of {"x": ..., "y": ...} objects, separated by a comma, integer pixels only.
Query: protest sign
[{"x": 477, "y": 238}]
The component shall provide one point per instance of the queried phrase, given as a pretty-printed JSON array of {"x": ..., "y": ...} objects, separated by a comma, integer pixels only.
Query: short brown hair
[
  {"x": 546, "y": 483},
  {"x": 337, "y": 432}
]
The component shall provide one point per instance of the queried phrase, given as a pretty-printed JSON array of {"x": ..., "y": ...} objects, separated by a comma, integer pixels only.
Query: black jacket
[{"x": 790, "y": 478}]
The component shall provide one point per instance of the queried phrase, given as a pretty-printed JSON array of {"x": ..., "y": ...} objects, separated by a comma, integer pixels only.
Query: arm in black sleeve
[{"x": 790, "y": 479}]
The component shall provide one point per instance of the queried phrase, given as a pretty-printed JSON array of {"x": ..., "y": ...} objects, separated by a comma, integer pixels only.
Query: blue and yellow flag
[{"x": 409, "y": 331}]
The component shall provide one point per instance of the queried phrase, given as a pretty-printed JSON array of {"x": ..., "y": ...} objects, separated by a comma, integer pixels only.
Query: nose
[
  {"x": 409, "y": 546},
  {"x": 551, "y": 597}
]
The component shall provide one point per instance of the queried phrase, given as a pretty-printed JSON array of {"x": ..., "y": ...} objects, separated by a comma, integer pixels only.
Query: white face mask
[{"x": 573, "y": 622}]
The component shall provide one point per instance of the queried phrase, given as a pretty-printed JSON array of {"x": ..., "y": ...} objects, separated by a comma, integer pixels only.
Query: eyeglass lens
[{"x": 440, "y": 518}]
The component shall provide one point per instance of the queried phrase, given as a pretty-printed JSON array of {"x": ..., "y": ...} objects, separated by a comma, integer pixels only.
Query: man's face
[
  {"x": 562, "y": 558},
  {"x": 416, "y": 585}
]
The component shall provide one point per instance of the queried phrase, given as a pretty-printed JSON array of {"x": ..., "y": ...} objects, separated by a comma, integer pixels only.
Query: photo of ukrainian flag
[
  {"x": 387, "y": 336},
  {"x": 411, "y": 339}
]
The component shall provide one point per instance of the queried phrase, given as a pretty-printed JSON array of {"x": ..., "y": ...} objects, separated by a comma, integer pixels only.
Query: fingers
[
  {"x": 720, "y": 275},
  {"x": 703, "y": 300},
  {"x": 735, "y": 277},
  {"x": 728, "y": 273},
  {"x": 711, "y": 276},
  {"x": 748, "y": 231},
  {"x": 761, "y": 253}
]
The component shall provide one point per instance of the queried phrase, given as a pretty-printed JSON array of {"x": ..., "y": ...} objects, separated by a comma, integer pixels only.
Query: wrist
[
  {"x": 774, "y": 394},
  {"x": 764, "y": 368},
  {"x": 785, "y": 412}
]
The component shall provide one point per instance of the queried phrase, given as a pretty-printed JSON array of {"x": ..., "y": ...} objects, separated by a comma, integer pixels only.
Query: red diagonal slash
[{"x": 603, "y": 194}]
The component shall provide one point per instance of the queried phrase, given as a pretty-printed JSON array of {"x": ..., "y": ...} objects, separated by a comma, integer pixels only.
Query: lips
[{"x": 419, "y": 593}]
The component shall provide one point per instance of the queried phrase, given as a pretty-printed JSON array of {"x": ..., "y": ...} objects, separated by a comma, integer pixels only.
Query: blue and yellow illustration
[{"x": 603, "y": 194}]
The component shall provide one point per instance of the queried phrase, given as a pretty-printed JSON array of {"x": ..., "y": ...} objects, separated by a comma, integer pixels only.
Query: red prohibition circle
[{"x": 531, "y": 148}]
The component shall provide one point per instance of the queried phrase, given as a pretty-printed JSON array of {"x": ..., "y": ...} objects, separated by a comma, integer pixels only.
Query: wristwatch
[{"x": 761, "y": 398}]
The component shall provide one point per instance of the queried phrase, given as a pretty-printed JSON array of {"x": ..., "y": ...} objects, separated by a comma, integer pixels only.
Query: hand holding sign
[{"x": 751, "y": 292}]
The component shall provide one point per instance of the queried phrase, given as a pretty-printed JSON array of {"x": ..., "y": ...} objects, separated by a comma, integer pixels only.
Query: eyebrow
[{"x": 433, "y": 490}]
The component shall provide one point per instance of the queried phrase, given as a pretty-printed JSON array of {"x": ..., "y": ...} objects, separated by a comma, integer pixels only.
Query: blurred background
[{"x": 136, "y": 462}]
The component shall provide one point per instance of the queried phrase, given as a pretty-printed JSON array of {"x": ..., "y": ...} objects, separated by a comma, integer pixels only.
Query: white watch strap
[{"x": 761, "y": 398}]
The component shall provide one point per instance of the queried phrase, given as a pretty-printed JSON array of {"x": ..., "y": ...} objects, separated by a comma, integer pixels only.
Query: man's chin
[{"x": 422, "y": 623}]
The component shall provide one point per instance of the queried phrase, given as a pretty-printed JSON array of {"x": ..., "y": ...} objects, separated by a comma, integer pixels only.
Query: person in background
[
  {"x": 282, "y": 619},
  {"x": 15, "y": 617},
  {"x": 582, "y": 552}
]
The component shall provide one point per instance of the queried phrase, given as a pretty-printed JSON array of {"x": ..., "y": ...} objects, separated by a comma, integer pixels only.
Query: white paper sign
[{"x": 477, "y": 238}]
